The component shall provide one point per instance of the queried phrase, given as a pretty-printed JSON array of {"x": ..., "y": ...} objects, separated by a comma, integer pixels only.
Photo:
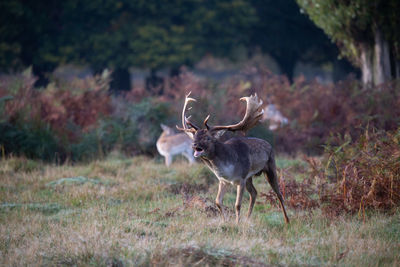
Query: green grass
[{"x": 131, "y": 212}]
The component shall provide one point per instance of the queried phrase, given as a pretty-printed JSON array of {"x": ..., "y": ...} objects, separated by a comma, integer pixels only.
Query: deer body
[
  {"x": 170, "y": 144},
  {"x": 238, "y": 159}
]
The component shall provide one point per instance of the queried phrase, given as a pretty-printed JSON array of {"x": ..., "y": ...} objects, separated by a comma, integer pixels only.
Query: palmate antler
[{"x": 253, "y": 114}]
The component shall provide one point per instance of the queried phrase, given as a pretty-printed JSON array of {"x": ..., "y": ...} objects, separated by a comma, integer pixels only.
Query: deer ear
[
  {"x": 191, "y": 135},
  {"x": 164, "y": 127},
  {"x": 218, "y": 134}
]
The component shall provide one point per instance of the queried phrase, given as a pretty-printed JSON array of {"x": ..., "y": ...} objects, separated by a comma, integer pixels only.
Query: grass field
[{"x": 137, "y": 212}]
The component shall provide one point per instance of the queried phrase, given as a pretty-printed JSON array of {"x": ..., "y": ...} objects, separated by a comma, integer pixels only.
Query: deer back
[{"x": 171, "y": 143}]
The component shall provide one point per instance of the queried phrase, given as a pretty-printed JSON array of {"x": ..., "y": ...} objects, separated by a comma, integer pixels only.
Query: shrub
[
  {"x": 32, "y": 140},
  {"x": 81, "y": 120},
  {"x": 315, "y": 110},
  {"x": 352, "y": 177},
  {"x": 365, "y": 173},
  {"x": 43, "y": 123},
  {"x": 133, "y": 127},
  {"x": 78, "y": 120}
]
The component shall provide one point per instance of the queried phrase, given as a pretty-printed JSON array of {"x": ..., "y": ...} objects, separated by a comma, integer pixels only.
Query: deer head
[
  {"x": 205, "y": 138},
  {"x": 167, "y": 130}
]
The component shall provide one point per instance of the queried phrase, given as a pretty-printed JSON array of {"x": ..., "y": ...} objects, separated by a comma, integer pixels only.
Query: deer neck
[{"x": 222, "y": 156}]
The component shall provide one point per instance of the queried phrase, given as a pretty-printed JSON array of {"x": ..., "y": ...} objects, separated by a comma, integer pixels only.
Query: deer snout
[{"x": 198, "y": 152}]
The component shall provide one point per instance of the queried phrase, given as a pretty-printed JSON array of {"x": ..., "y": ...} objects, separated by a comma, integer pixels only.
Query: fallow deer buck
[
  {"x": 171, "y": 143},
  {"x": 238, "y": 159}
]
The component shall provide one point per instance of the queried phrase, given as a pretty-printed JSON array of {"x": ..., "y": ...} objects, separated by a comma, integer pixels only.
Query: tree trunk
[
  {"x": 381, "y": 59},
  {"x": 366, "y": 63},
  {"x": 396, "y": 69},
  {"x": 121, "y": 80},
  {"x": 40, "y": 73},
  {"x": 174, "y": 72},
  {"x": 287, "y": 65},
  {"x": 154, "y": 83}
]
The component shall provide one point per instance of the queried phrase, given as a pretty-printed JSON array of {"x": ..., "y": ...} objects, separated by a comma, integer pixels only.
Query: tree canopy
[
  {"x": 289, "y": 36},
  {"x": 29, "y": 35},
  {"x": 152, "y": 34},
  {"x": 120, "y": 34},
  {"x": 367, "y": 32}
]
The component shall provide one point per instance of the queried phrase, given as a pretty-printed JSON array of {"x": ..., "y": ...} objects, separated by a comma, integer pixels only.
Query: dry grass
[
  {"x": 364, "y": 174},
  {"x": 125, "y": 212}
]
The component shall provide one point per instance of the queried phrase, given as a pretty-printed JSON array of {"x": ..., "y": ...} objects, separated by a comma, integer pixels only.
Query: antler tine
[
  {"x": 193, "y": 128},
  {"x": 191, "y": 124},
  {"x": 251, "y": 117},
  {"x": 205, "y": 122},
  {"x": 185, "y": 120}
]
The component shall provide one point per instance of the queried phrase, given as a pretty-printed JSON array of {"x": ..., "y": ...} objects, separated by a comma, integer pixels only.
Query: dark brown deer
[{"x": 238, "y": 159}]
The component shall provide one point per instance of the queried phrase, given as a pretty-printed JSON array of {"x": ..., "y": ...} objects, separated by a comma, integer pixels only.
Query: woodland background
[{"x": 84, "y": 86}]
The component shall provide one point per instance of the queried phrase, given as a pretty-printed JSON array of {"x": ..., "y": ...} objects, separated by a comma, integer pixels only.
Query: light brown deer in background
[
  {"x": 171, "y": 143},
  {"x": 238, "y": 159},
  {"x": 274, "y": 117}
]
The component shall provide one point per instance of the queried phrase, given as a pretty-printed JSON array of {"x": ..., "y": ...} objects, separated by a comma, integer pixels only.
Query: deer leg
[
  {"x": 253, "y": 195},
  {"x": 168, "y": 160},
  {"x": 189, "y": 157},
  {"x": 220, "y": 196},
  {"x": 272, "y": 178},
  {"x": 239, "y": 196}
]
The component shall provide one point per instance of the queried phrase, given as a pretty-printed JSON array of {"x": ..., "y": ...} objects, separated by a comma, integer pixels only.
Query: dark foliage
[
  {"x": 77, "y": 121},
  {"x": 80, "y": 120}
]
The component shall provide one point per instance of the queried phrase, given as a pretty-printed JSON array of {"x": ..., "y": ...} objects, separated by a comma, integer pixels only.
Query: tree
[
  {"x": 29, "y": 35},
  {"x": 101, "y": 30},
  {"x": 366, "y": 31},
  {"x": 119, "y": 34},
  {"x": 175, "y": 33},
  {"x": 289, "y": 36}
]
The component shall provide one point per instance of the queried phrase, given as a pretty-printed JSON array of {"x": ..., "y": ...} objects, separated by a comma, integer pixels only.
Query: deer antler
[
  {"x": 206, "y": 121},
  {"x": 188, "y": 127},
  {"x": 251, "y": 117}
]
